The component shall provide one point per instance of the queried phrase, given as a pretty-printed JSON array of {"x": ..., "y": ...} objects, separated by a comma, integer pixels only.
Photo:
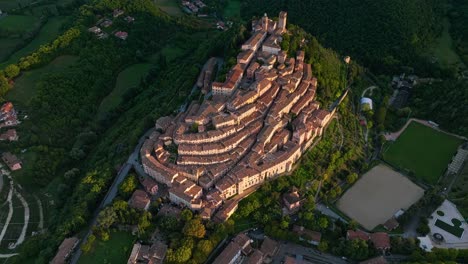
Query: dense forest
[{"x": 382, "y": 35}]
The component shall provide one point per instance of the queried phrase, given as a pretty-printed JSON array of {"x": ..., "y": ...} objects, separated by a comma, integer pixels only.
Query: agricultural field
[
  {"x": 422, "y": 151},
  {"x": 232, "y": 9},
  {"x": 171, "y": 7},
  {"x": 48, "y": 32},
  {"x": 444, "y": 49},
  {"x": 116, "y": 250},
  {"x": 18, "y": 23},
  {"x": 21, "y": 215},
  {"x": 25, "y": 85},
  {"x": 127, "y": 79},
  {"x": 378, "y": 195}
]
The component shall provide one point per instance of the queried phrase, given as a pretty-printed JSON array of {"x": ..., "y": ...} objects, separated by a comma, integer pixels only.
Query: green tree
[
  {"x": 88, "y": 245},
  {"x": 186, "y": 215},
  {"x": 11, "y": 71},
  {"x": 128, "y": 185},
  {"x": 322, "y": 246},
  {"x": 351, "y": 178},
  {"x": 194, "y": 228},
  {"x": 106, "y": 217}
]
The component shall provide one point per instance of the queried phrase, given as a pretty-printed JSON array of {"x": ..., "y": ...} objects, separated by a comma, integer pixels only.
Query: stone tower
[
  {"x": 282, "y": 20},
  {"x": 265, "y": 22}
]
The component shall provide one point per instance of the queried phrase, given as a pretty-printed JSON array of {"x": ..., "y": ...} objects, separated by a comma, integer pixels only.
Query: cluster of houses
[
  {"x": 106, "y": 23},
  {"x": 240, "y": 250},
  {"x": 192, "y": 7},
  {"x": 8, "y": 119},
  {"x": 254, "y": 127},
  {"x": 141, "y": 199}
]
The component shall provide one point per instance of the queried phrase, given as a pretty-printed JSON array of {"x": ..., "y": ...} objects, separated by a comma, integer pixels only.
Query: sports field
[
  {"x": 423, "y": 151},
  {"x": 378, "y": 195}
]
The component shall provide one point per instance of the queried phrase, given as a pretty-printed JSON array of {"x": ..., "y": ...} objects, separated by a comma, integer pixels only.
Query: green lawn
[
  {"x": 18, "y": 23},
  {"x": 444, "y": 49},
  {"x": 423, "y": 151},
  {"x": 7, "y": 45},
  {"x": 115, "y": 251},
  {"x": 453, "y": 228},
  {"x": 128, "y": 78},
  {"x": 171, "y": 7},
  {"x": 232, "y": 9},
  {"x": 25, "y": 85},
  {"x": 48, "y": 33}
]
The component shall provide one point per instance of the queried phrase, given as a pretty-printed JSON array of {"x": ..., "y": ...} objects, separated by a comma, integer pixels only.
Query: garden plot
[{"x": 378, "y": 195}]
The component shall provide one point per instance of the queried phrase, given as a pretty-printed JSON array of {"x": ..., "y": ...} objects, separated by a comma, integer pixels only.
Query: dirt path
[
  {"x": 10, "y": 213},
  {"x": 393, "y": 136},
  {"x": 41, "y": 213},
  {"x": 5, "y": 256},
  {"x": 371, "y": 88},
  {"x": 26, "y": 221}
]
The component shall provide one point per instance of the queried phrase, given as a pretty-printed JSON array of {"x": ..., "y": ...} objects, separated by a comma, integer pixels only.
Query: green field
[
  {"x": 128, "y": 78},
  {"x": 444, "y": 49},
  {"x": 18, "y": 23},
  {"x": 115, "y": 251},
  {"x": 25, "y": 85},
  {"x": 423, "y": 151},
  {"x": 48, "y": 33},
  {"x": 169, "y": 6},
  {"x": 232, "y": 9}
]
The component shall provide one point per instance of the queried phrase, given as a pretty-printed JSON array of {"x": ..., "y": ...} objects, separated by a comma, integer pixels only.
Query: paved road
[
  {"x": 1, "y": 182},
  {"x": 309, "y": 254},
  {"x": 112, "y": 192},
  {"x": 327, "y": 211}
]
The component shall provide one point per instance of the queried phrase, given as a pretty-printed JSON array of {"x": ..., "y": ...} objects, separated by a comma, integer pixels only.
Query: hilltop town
[{"x": 250, "y": 128}]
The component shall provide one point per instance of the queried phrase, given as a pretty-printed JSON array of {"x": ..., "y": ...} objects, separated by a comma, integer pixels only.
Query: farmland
[
  {"x": 47, "y": 33},
  {"x": 25, "y": 85},
  {"x": 373, "y": 200},
  {"x": 127, "y": 79},
  {"x": 422, "y": 151},
  {"x": 171, "y": 7}
]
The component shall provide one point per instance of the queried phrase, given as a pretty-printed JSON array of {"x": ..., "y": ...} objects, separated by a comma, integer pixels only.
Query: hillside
[{"x": 380, "y": 34}]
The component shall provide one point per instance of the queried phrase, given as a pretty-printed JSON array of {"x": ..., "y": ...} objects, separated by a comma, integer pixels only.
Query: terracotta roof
[
  {"x": 256, "y": 257},
  {"x": 139, "y": 200},
  {"x": 269, "y": 247},
  {"x": 381, "y": 240},
  {"x": 376, "y": 260},
  {"x": 231, "y": 252},
  {"x": 358, "y": 234},
  {"x": 67, "y": 246},
  {"x": 391, "y": 224}
]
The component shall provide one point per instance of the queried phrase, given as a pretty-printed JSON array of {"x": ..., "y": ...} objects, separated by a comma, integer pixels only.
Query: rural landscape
[{"x": 233, "y": 131}]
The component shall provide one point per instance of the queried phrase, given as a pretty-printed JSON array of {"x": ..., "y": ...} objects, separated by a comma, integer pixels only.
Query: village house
[
  {"x": 239, "y": 246},
  {"x": 10, "y": 135},
  {"x": 117, "y": 12},
  {"x": 11, "y": 161},
  {"x": 311, "y": 237},
  {"x": 65, "y": 250},
  {"x": 121, "y": 35},
  {"x": 148, "y": 254},
  {"x": 150, "y": 185},
  {"x": 292, "y": 201},
  {"x": 139, "y": 200}
]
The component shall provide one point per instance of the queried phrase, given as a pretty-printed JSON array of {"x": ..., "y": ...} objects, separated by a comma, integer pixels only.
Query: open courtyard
[
  {"x": 378, "y": 195},
  {"x": 448, "y": 222},
  {"x": 422, "y": 151}
]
